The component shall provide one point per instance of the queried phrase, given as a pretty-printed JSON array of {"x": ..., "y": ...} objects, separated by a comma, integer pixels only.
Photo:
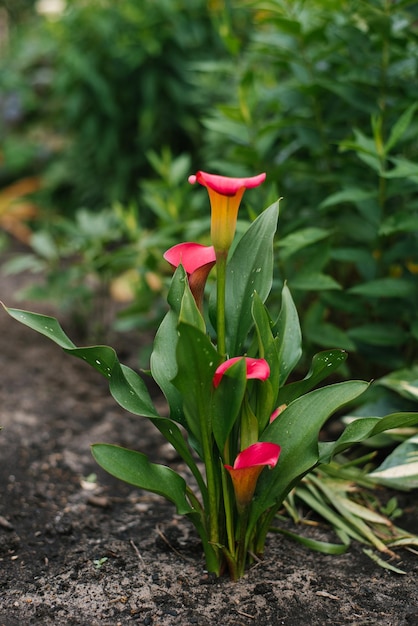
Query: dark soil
[{"x": 79, "y": 549}]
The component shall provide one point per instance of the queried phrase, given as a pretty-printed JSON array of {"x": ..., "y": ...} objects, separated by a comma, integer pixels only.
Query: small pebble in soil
[{"x": 4, "y": 523}]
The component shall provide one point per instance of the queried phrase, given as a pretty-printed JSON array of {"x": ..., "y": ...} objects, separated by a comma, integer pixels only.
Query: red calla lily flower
[
  {"x": 192, "y": 256},
  {"x": 256, "y": 368},
  {"x": 225, "y": 195},
  {"x": 197, "y": 261},
  {"x": 247, "y": 468}
]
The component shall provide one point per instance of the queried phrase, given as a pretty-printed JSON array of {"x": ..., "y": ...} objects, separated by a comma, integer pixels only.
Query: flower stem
[
  {"x": 241, "y": 549},
  {"x": 228, "y": 512},
  {"x": 211, "y": 483},
  {"x": 221, "y": 257}
]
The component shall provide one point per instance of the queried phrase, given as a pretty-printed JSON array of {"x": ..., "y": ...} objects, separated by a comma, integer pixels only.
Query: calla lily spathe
[
  {"x": 197, "y": 261},
  {"x": 225, "y": 196},
  {"x": 192, "y": 256},
  {"x": 247, "y": 468},
  {"x": 256, "y": 368}
]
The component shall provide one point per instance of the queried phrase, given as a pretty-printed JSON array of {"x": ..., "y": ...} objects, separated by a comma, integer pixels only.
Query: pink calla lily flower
[
  {"x": 192, "y": 256},
  {"x": 247, "y": 468},
  {"x": 197, "y": 261},
  {"x": 256, "y": 368},
  {"x": 225, "y": 196}
]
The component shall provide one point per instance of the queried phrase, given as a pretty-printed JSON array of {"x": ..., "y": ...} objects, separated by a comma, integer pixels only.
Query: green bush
[
  {"x": 324, "y": 100},
  {"x": 98, "y": 88}
]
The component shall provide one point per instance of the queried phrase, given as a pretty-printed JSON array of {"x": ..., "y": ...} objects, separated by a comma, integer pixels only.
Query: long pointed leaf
[
  {"x": 377, "y": 559},
  {"x": 134, "y": 468},
  {"x": 226, "y": 402},
  {"x": 290, "y": 337},
  {"x": 197, "y": 360},
  {"x": 313, "y": 544},
  {"x": 249, "y": 270},
  {"x": 43, "y": 324},
  {"x": 126, "y": 386},
  {"x": 163, "y": 358},
  {"x": 323, "y": 365},
  {"x": 400, "y": 468},
  {"x": 267, "y": 342},
  {"x": 362, "y": 429},
  {"x": 296, "y": 430}
]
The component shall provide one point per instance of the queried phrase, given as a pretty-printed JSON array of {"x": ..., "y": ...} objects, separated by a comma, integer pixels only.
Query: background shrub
[{"x": 325, "y": 101}]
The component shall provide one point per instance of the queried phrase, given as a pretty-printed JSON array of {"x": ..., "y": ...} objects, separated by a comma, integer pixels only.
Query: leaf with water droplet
[
  {"x": 43, "y": 324},
  {"x": 323, "y": 364}
]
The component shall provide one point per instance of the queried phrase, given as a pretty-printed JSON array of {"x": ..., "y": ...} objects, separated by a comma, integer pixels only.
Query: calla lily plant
[{"x": 222, "y": 361}]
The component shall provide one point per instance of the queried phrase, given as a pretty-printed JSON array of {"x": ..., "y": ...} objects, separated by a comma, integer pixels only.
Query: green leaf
[
  {"x": 126, "y": 386},
  {"x": 249, "y": 270},
  {"x": 352, "y": 195},
  {"x": 163, "y": 360},
  {"x": 385, "y": 288},
  {"x": 164, "y": 365},
  {"x": 365, "y": 148},
  {"x": 400, "y": 127},
  {"x": 348, "y": 516},
  {"x": 323, "y": 365},
  {"x": 43, "y": 324},
  {"x": 313, "y": 281},
  {"x": 400, "y": 222},
  {"x": 378, "y": 334},
  {"x": 102, "y": 358},
  {"x": 227, "y": 400},
  {"x": 177, "y": 288},
  {"x": 296, "y": 430},
  {"x": 300, "y": 239},
  {"x": 267, "y": 342},
  {"x": 325, "y": 334},
  {"x": 362, "y": 429},
  {"x": 316, "y": 501},
  {"x": 197, "y": 360},
  {"x": 313, "y": 544},
  {"x": 189, "y": 313},
  {"x": 381, "y": 562},
  {"x": 404, "y": 382},
  {"x": 134, "y": 468},
  {"x": 402, "y": 168},
  {"x": 288, "y": 330},
  {"x": 235, "y": 131},
  {"x": 400, "y": 468},
  {"x": 130, "y": 391}
]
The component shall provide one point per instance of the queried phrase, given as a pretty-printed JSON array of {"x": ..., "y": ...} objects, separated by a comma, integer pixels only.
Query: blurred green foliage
[
  {"x": 17, "y": 10},
  {"x": 325, "y": 102},
  {"x": 93, "y": 91},
  {"x": 114, "y": 104}
]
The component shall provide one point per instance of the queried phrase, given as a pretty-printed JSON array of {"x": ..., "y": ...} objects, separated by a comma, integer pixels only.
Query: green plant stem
[
  {"x": 241, "y": 549},
  {"x": 263, "y": 529},
  {"x": 228, "y": 512},
  {"x": 220, "y": 301},
  {"x": 213, "y": 562},
  {"x": 211, "y": 489}
]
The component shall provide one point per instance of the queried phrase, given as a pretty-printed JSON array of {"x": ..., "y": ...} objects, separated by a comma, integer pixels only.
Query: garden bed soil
[{"x": 78, "y": 547}]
